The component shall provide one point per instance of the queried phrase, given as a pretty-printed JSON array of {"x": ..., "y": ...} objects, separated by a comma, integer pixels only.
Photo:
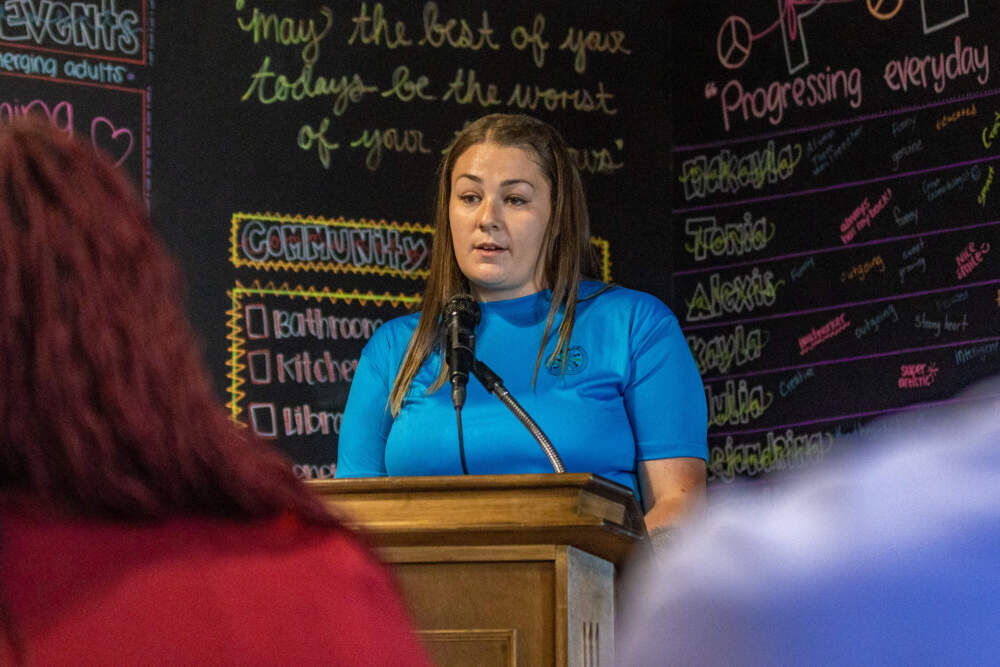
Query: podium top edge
[{"x": 588, "y": 481}]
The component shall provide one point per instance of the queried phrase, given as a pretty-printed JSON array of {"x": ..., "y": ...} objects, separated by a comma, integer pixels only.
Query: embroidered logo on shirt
[{"x": 576, "y": 361}]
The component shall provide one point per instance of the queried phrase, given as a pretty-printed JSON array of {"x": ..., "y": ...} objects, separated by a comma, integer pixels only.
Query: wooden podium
[{"x": 501, "y": 569}]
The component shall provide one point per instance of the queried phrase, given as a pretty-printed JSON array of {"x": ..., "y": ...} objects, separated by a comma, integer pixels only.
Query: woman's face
[{"x": 500, "y": 206}]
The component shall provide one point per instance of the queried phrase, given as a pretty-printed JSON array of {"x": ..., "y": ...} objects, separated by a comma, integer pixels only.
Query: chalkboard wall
[
  {"x": 834, "y": 225},
  {"x": 295, "y": 146},
  {"x": 808, "y": 185}
]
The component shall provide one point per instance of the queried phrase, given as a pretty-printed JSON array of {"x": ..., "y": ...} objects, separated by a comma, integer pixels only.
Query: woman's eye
[
  {"x": 469, "y": 198},
  {"x": 516, "y": 201}
]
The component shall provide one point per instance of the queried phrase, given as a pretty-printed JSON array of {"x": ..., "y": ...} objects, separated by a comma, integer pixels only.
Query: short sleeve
[
  {"x": 664, "y": 395},
  {"x": 367, "y": 417}
]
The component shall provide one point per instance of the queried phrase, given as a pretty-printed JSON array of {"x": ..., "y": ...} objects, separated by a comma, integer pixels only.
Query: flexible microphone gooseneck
[
  {"x": 494, "y": 385},
  {"x": 461, "y": 315}
]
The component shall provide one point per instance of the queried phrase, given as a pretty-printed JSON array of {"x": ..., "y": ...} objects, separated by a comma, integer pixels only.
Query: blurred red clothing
[{"x": 198, "y": 591}]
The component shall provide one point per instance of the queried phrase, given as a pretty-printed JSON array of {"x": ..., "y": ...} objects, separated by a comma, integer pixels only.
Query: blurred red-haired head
[{"x": 105, "y": 405}]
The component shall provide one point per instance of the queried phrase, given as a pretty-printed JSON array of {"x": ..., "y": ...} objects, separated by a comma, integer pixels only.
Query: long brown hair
[
  {"x": 106, "y": 408},
  {"x": 567, "y": 255}
]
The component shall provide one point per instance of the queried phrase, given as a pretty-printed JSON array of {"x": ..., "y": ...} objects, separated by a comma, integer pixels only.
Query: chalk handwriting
[
  {"x": 986, "y": 187},
  {"x": 287, "y": 31},
  {"x": 913, "y": 250},
  {"x": 905, "y": 124},
  {"x": 786, "y": 387},
  {"x": 105, "y": 135},
  {"x": 729, "y": 240},
  {"x": 304, "y": 420},
  {"x": 579, "y": 43},
  {"x": 595, "y": 160},
  {"x": 311, "y": 471},
  {"x": 861, "y": 271},
  {"x": 60, "y": 114},
  {"x": 798, "y": 271},
  {"x": 903, "y": 218},
  {"x": 374, "y": 29},
  {"x": 522, "y": 39},
  {"x": 785, "y": 450},
  {"x": 912, "y": 148},
  {"x": 737, "y": 403},
  {"x": 817, "y": 143},
  {"x": 990, "y": 133},
  {"x": 913, "y": 376},
  {"x": 553, "y": 99},
  {"x": 28, "y": 63},
  {"x": 301, "y": 368},
  {"x": 970, "y": 257},
  {"x": 88, "y": 70},
  {"x": 465, "y": 89},
  {"x": 348, "y": 246},
  {"x": 771, "y": 101},
  {"x": 309, "y": 137},
  {"x": 817, "y": 336},
  {"x": 725, "y": 351},
  {"x": 831, "y": 153},
  {"x": 83, "y": 25},
  {"x": 862, "y": 216},
  {"x": 919, "y": 263},
  {"x": 404, "y": 89},
  {"x": 947, "y": 119},
  {"x": 875, "y": 323},
  {"x": 937, "y": 187},
  {"x": 976, "y": 352},
  {"x": 938, "y": 70},
  {"x": 729, "y": 172},
  {"x": 456, "y": 33},
  {"x": 947, "y": 302},
  {"x": 314, "y": 324},
  {"x": 921, "y": 321},
  {"x": 741, "y": 293},
  {"x": 269, "y": 87},
  {"x": 391, "y": 139}
]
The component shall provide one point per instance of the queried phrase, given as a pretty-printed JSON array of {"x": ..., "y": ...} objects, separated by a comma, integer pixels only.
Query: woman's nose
[{"x": 490, "y": 214}]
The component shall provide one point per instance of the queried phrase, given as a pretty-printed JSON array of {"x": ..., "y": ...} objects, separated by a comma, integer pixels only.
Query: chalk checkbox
[
  {"x": 262, "y": 420},
  {"x": 259, "y": 363},
  {"x": 255, "y": 316}
]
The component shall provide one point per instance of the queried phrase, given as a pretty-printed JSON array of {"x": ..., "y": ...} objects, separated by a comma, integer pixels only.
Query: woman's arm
[
  {"x": 665, "y": 400},
  {"x": 367, "y": 420},
  {"x": 673, "y": 489}
]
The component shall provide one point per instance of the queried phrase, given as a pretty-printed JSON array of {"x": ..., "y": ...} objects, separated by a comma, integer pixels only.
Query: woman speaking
[{"x": 604, "y": 371}]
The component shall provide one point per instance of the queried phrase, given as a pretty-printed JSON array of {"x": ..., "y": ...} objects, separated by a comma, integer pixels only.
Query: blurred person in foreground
[
  {"x": 888, "y": 556},
  {"x": 138, "y": 524}
]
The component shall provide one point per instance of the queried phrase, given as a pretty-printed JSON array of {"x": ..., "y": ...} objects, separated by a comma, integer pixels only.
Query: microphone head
[{"x": 464, "y": 308}]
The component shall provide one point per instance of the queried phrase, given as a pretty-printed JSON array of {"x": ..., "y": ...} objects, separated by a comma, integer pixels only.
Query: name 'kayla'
[{"x": 913, "y": 70}]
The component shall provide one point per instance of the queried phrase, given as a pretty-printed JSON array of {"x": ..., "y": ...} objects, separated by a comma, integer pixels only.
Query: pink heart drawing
[{"x": 115, "y": 134}]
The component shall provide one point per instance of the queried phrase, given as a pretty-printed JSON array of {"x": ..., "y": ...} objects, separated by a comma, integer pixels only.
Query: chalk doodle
[
  {"x": 100, "y": 28},
  {"x": 305, "y": 243},
  {"x": 735, "y": 38}
]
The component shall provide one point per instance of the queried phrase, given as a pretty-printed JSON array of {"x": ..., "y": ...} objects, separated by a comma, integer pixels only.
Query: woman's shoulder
[
  {"x": 396, "y": 331},
  {"x": 605, "y": 297}
]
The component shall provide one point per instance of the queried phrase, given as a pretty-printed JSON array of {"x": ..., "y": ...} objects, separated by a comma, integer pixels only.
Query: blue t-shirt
[{"x": 630, "y": 392}]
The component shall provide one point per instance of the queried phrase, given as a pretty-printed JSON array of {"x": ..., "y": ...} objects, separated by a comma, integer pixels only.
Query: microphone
[{"x": 461, "y": 315}]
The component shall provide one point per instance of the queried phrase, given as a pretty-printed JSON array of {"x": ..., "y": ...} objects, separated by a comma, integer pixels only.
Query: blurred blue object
[{"x": 889, "y": 555}]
